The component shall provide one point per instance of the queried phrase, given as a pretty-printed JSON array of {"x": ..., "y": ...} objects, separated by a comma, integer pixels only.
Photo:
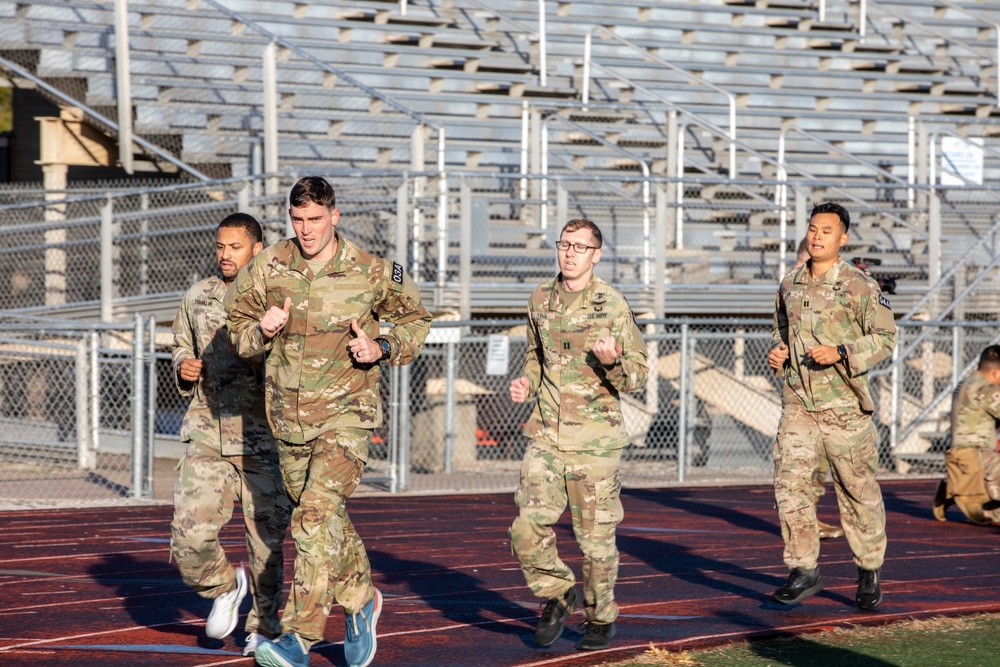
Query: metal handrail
[
  {"x": 978, "y": 17},
  {"x": 926, "y": 28},
  {"x": 646, "y": 242},
  {"x": 934, "y": 252},
  {"x": 302, "y": 53},
  {"x": 657, "y": 59},
  {"x": 788, "y": 127},
  {"x": 527, "y": 30},
  {"x": 101, "y": 118}
]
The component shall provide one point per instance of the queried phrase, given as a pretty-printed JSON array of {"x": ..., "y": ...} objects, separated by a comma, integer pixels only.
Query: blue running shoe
[
  {"x": 285, "y": 651},
  {"x": 360, "y": 641}
]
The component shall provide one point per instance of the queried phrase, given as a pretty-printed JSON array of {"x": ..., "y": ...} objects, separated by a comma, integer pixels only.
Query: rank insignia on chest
[
  {"x": 566, "y": 345},
  {"x": 805, "y": 304}
]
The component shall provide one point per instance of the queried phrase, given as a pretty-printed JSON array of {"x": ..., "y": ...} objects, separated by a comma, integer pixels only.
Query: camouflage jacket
[
  {"x": 975, "y": 407},
  {"x": 842, "y": 307},
  {"x": 578, "y": 406},
  {"x": 312, "y": 385},
  {"x": 228, "y": 398}
]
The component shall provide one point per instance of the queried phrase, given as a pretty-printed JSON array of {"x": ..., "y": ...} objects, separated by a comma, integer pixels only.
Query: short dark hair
[
  {"x": 312, "y": 190},
  {"x": 243, "y": 221},
  {"x": 990, "y": 358},
  {"x": 836, "y": 209},
  {"x": 582, "y": 223}
]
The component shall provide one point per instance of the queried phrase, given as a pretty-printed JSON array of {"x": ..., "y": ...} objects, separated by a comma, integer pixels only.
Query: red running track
[{"x": 697, "y": 567}]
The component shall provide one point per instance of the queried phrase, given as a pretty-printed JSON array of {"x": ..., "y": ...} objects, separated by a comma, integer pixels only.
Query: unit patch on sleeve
[
  {"x": 397, "y": 273},
  {"x": 884, "y": 301}
]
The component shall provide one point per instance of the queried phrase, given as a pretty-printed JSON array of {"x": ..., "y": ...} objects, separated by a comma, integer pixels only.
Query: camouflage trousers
[
  {"x": 330, "y": 561},
  {"x": 989, "y": 459},
  {"x": 591, "y": 483},
  {"x": 204, "y": 494},
  {"x": 819, "y": 476},
  {"x": 846, "y": 437}
]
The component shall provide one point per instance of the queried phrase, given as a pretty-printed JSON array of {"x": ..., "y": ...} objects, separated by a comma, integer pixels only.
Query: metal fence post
[
  {"x": 895, "y": 393},
  {"x": 465, "y": 252},
  {"x": 449, "y": 409},
  {"x": 404, "y": 427},
  {"x": 682, "y": 426},
  {"x": 394, "y": 438},
  {"x": 956, "y": 353},
  {"x": 150, "y": 407},
  {"x": 86, "y": 457},
  {"x": 95, "y": 389},
  {"x": 138, "y": 411},
  {"x": 402, "y": 223},
  {"x": 107, "y": 260}
]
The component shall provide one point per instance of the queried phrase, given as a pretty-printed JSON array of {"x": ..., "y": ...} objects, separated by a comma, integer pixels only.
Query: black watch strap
[
  {"x": 842, "y": 351},
  {"x": 385, "y": 347}
]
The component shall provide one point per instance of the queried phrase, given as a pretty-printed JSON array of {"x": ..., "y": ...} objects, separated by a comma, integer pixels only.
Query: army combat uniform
[
  {"x": 972, "y": 461},
  {"x": 577, "y": 435},
  {"x": 831, "y": 405},
  {"x": 322, "y": 405},
  {"x": 230, "y": 453}
]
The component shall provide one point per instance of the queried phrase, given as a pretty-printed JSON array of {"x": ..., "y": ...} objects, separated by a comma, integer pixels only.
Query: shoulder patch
[
  {"x": 884, "y": 301},
  {"x": 397, "y": 273}
]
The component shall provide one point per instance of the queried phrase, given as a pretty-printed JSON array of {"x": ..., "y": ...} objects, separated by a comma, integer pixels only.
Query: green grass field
[{"x": 968, "y": 641}]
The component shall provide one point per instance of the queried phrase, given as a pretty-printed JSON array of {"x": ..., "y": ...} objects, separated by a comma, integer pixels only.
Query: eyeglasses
[{"x": 578, "y": 247}]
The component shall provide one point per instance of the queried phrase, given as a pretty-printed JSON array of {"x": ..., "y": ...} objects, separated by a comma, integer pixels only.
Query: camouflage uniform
[
  {"x": 974, "y": 410},
  {"x": 577, "y": 435},
  {"x": 322, "y": 405},
  {"x": 831, "y": 405},
  {"x": 231, "y": 453}
]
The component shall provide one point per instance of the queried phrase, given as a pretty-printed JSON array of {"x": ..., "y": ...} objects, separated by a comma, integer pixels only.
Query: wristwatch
[
  {"x": 385, "y": 347},
  {"x": 842, "y": 351}
]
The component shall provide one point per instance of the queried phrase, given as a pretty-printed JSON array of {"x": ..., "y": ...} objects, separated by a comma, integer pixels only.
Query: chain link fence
[
  {"x": 74, "y": 429},
  {"x": 73, "y": 404}
]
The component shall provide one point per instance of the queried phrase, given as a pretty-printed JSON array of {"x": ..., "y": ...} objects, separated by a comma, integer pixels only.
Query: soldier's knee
[{"x": 196, "y": 538}]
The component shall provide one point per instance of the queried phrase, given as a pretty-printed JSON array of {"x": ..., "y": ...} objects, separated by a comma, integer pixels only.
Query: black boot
[
  {"x": 596, "y": 636},
  {"x": 869, "y": 589},
  {"x": 550, "y": 625},
  {"x": 801, "y": 584}
]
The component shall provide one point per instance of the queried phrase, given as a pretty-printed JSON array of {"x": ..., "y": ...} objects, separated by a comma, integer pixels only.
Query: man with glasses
[{"x": 584, "y": 348}]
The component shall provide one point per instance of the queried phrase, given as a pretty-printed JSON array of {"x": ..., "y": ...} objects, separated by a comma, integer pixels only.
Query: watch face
[{"x": 386, "y": 348}]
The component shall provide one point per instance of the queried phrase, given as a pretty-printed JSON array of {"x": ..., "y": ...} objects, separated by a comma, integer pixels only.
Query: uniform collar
[
  {"x": 591, "y": 293},
  {"x": 219, "y": 288},
  {"x": 831, "y": 277},
  {"x": 337, "y": 263}
]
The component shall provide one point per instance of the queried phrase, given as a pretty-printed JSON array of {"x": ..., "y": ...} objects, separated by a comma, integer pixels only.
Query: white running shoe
[{"x": 226, "y": 609}]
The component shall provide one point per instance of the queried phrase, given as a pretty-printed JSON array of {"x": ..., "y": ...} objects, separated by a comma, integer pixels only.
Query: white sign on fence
[{"x": 498, "y": 355}]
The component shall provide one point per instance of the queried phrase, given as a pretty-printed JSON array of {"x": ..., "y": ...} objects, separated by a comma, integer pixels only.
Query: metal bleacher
[{"x": 357, "y": 80}]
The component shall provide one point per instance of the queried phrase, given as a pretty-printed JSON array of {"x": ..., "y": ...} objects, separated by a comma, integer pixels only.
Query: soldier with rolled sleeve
[
  {"x": 231, "y": 454},
  {"x": 312, "y": 305},
  {"x": 831, "y": 326},
  {"x": 584, "y": 349},
  {"x": 972, "y": 460}
]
